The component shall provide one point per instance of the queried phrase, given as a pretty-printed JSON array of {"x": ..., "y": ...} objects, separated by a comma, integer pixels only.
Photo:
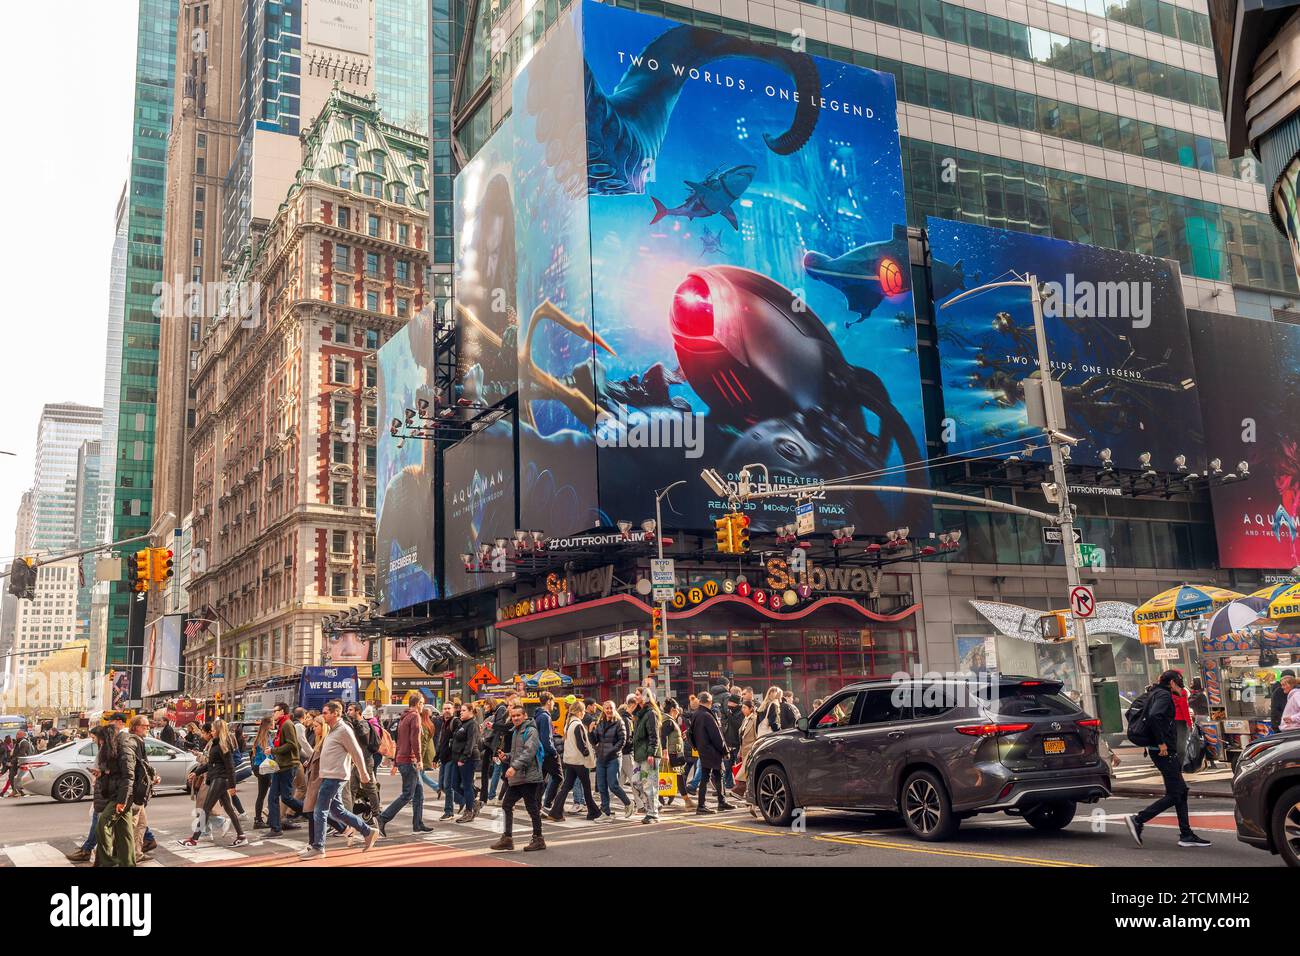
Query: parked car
[
  {"x": 936, "y": 752},
  {"x": 1266, "y": 792},
  {"x": 64, "y": 772}
]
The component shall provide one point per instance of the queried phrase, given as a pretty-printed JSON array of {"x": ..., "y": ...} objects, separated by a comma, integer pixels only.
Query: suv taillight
[{"x": 991, "y": 730}]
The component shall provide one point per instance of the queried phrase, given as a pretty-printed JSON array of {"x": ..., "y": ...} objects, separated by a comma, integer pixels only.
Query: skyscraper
[
  {"x": 1091, "y": 121},
  {"x": 132, "y": 453},
  {"x": 88, "y": 529},
  {"x": 59, "y": 437}
]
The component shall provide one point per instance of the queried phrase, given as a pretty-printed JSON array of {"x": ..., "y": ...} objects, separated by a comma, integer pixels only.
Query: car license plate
[{"x": 1053, "y": 745}]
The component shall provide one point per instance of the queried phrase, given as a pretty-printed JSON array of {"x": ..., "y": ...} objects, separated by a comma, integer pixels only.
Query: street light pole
[
  {"x": 663, "y": 605},
  {"x": 1054, "y": 422}
]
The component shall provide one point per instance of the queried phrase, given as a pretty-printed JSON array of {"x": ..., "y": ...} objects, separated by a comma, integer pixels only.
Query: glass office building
[{"x": 133, "y": 455}]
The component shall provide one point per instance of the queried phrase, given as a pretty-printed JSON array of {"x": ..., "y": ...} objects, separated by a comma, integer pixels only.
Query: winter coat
[
  {"x": 708, "y": 739},
  {"x": 525, "y": 755},
  {"x": 748, "y": 737},
  {"x": 645, "y": 735},
  {"x": 610, "y": 737},
  {"x": 1160, "y": 716},
  {"x": 465, "y": 741},
  {"x": 287, "y": 754},
  {"x": 578, "y": 751}
]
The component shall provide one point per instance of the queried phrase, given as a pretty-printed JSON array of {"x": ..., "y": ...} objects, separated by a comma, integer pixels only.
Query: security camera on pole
[{"x": 1045, "y": 409}]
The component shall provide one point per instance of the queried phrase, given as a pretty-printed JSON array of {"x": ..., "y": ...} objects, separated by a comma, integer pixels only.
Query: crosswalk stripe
[{"x": 36, "y": 854}]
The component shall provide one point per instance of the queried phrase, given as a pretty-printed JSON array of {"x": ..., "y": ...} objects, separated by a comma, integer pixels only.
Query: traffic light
[
  {"x": 211, "y": 666},
  {"x": 654, "y": 653},
  {"x": 739, "y": 533},
  {"x": 160, "y": 565},
  {"x": 139, "y": 576},
  {"x": 722, "y": 530},
  {"x": 22, "y": 578}
]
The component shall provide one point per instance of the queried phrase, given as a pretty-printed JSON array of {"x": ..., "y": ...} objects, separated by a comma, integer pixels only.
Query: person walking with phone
[
  {"x": 1160, "y": 721},
  {"x": 523, "y": 777}
]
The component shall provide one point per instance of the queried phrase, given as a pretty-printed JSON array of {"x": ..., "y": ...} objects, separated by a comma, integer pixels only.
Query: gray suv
[{"x": 936, "y": 752}]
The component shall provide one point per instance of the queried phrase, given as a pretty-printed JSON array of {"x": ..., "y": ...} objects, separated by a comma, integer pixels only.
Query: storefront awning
[{"x": 721, "y": 611}]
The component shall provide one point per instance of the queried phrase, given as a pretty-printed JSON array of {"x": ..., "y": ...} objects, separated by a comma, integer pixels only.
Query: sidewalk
[{"x": 1137, "y": 777}]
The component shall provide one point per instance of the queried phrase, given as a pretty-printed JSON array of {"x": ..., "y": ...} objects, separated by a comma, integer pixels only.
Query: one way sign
[
  {"x": 1082, "y": 601},
  {"x": 1052, "y": 535}
]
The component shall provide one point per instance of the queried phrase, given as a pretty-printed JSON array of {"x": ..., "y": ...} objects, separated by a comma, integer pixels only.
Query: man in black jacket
[
  {"x": 732, "y": 718},
  {"x": 22, "y": 748},
  {"x": 713, "y": 751},
  {"x": 1277, "y": 703},
  {"x": 448, "y": 779},
  {"x": 1162, "y": 737}
]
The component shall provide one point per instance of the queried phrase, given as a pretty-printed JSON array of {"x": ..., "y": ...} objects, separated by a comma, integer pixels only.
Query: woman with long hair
[
  {"x": 261, "y": 750},
  {"x": 768, "y": 719},
  {"x": 219, "y": 776},
  {"x": 579, "y": 759},
  {"x": 428, "y": 749},
  {"x": 670, "y": 737}
]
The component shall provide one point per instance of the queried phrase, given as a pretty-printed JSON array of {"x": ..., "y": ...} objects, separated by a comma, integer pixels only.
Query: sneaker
[
  {"x": 725, "y": 806},
  {"x": 189, "y": 841},
  {"x": 628, "y": 810},
  {"x": 259, "y": 824},
  {"x": 78, "y": 856},
  {"x": 240, "y": 841},
  {"x": 1134, "y": 828},
  {"x": 371, "y": 839},
  {"x": 310, "y": 853},
  {"x": 1193, "y": 840},
  {"x": 537, "y": 844},
  {"x": 557, "y": 817},
  {"x": 505, "y": 843},
  {"x": 702, "y": 809},
  {"x": 447, "y": 816},
  {"x": 649, "y": 819}
]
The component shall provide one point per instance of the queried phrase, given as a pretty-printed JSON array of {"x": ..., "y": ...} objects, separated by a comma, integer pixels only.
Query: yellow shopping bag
[{"x": 667, "y": 783}]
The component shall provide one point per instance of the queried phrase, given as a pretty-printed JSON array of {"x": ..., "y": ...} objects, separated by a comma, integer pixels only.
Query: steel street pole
[
  {"x": 1055, "y": 424},
  {"x": 664, "y": 669}
]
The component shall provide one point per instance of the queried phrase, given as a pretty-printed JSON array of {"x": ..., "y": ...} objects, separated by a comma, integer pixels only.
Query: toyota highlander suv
[
  {"x": 1266, "y": 792},
  {"x": 936, "y": 752}
]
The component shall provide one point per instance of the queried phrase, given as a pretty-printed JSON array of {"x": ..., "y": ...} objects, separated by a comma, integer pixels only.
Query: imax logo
[
  {"x": 1098, "y": 300},
  {"x": 74, "y": 909}
]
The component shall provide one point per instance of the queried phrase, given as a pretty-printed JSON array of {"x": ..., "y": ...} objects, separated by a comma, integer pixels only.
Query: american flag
[{"x": 196, "y": 625}]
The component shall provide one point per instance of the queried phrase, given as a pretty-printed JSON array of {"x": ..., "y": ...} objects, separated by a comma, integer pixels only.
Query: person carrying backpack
[
  {"x": 1152, "y": 724},
  {"x": 523, "y": 778}
]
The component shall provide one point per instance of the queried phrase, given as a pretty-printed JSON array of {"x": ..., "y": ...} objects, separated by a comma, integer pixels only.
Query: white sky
[{"x": 67, "y": 153}]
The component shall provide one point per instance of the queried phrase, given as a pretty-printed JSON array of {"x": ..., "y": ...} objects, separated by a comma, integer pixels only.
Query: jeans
[
  {"x": 645, "y": 785},
  {"x": 727, "y": 763},
  {"x": 329, "y": 803},
  {"x": 1171, "y": 769},
  {"x": 412, "y": 793},
  {"x": 627, "y": 772},
  {"x": 696, "y": 777},
  {"x": 449, "y": 781},
  {"x": 530, "y": 793},
  {"x": 551, "y": 774},
  {"x": 282, "y": 790},
  {"x": 497, "y": 770},
  {"x": 607, "y": 773},
  {"x": 464, "y": 784},
  {"x": 580, "y": 791}
]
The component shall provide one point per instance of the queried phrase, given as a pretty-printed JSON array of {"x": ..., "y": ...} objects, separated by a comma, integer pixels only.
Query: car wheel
[
  {"x": 1051, "y": 816},
  {"x": 69, "y": 788},
  {"x": 773, "y": 796},
  {"x": 927, "y": 810},
  {"x": 1286, "y": 826}
]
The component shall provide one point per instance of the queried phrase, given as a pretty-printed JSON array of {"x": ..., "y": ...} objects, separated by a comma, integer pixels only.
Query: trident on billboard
[{"x": 577, "y": 401}]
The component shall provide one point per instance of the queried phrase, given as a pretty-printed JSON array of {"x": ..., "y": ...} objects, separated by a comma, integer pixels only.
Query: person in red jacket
[
  {"x": 408, "y": 764},
  {"x": 1182, "y": 716}
]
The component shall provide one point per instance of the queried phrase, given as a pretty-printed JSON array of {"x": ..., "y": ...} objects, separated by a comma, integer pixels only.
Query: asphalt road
[{"x": 36, "y": 831}]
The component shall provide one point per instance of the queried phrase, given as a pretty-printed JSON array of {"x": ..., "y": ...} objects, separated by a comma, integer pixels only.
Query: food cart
[{"x": 1239, "y": 672}]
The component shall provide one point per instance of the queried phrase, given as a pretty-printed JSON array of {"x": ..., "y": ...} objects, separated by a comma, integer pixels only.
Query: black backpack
[{"x": 1136, "y": 720}]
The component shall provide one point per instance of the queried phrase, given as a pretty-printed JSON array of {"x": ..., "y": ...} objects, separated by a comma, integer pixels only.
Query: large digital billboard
[
  {"x": 715, "y": 273},
  {"x": 404, "y": 493},
  {"x": 1249, "y": 376},
  {"x": 1117, "y": 334},
  {"x": 478, "y": 495},
  {"x": 162, "y": 656}
]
